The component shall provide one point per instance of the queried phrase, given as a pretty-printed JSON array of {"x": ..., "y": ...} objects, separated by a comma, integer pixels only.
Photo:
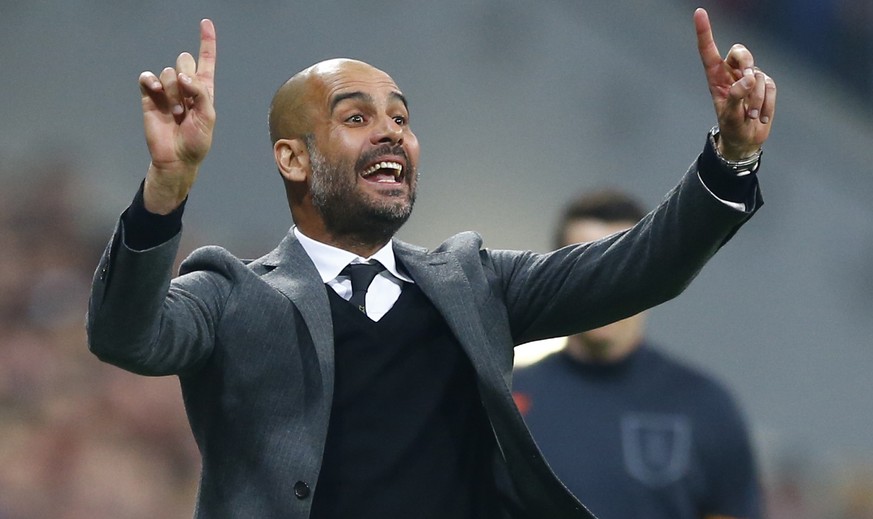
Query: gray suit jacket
[{"x": 252, "y": 343}]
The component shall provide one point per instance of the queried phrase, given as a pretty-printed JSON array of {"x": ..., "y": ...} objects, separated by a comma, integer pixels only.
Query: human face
[
  {"x": 348, "y": 211},
  {"x": 615, "y": 340},
  {"x": 363, "y": 155}
]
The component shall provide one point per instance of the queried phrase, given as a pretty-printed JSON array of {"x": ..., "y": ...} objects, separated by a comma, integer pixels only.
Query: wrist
[
  {"x": 143, "y": 229},
  {"x": 164, "y": 192},
  {"x": 739, "y": 162}
]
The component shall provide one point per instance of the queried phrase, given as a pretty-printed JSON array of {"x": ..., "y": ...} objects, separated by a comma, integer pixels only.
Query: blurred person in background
[
  {"x": 398, "y": 404},
  {"x": 630, "y": 430}
]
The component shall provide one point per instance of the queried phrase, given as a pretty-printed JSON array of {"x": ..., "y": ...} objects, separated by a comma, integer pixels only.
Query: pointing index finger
[
  {"x": 206, "y": 57},
  {"x": 705, "y": 42}
]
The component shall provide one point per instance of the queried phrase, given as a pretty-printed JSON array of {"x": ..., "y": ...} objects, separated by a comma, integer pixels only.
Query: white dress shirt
[{"x": 330, "y": 261}]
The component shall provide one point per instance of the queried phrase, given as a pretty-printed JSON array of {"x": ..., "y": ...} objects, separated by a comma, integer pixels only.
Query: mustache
[{"x": 385, "y": 149}]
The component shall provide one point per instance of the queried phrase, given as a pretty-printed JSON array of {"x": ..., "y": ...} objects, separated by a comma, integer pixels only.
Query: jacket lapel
[
  {"x": 292, "y": 273},
  {"x": 441, "y": 278}
]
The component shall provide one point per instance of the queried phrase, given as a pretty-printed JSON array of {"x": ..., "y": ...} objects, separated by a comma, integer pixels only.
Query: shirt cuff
[
  {"x": 143, "y": 229},
  {"x": 735, "y": 190}
]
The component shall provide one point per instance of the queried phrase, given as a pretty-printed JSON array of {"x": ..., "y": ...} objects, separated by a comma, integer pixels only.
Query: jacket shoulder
[
  {"x": 464, "y": 241},
  {"x": 212, "y": 258}
]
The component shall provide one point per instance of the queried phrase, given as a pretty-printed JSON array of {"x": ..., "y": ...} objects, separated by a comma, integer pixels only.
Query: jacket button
[{"x": 301, "y": 490}]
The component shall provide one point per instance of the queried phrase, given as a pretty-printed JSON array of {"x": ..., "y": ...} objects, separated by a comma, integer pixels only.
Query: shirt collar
[{"x": 330, "y": 260}]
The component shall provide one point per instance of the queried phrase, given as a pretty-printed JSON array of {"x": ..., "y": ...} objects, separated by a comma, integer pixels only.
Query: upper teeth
[{"x": 397, "y": 167}]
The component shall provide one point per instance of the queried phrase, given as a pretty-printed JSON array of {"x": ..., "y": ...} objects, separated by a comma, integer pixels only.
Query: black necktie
[{"x": 362, "y": 275}]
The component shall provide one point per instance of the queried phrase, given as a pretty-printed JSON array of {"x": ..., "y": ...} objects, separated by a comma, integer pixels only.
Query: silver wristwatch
[{"x": 738, "y": 167}]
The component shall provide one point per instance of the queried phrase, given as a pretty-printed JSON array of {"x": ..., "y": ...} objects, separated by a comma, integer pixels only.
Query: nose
[{"x": 387, "y": 131}]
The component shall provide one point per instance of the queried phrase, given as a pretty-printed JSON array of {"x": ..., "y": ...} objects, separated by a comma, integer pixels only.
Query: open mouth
[{"x": 385, "y": 172}]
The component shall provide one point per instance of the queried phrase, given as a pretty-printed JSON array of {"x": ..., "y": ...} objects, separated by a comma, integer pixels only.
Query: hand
[
  {"x": 179, "y": 116},
  {"x": 743, "y": 95}
]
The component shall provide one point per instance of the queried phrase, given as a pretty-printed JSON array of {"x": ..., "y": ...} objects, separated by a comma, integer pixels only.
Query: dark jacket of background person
[{"x": 646, "y": 436}]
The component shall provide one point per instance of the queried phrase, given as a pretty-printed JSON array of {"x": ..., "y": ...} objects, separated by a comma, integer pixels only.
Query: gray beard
[{"x": 350, "y": 213}]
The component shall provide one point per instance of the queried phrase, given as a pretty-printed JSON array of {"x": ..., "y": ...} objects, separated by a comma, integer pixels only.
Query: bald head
[
  {"x": 296, "y": 104},
  {"x": 346, "y": 153}
]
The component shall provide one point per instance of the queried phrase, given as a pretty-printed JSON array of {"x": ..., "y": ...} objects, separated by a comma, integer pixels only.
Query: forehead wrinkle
[
  {"x": 342, "y": 96},
  {"x": 365, "y": 97}
]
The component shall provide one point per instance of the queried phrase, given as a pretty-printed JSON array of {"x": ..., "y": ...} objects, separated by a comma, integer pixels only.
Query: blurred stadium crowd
[{"x": 78, "y": 439}]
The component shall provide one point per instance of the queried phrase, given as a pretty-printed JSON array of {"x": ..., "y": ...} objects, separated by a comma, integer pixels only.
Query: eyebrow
[
  {"x": 367, "y": 98},
  {"x": 399, "y": 97}
]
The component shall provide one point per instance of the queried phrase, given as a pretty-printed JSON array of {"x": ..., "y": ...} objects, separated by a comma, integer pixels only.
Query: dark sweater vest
[{"x": 408, "y": 437}]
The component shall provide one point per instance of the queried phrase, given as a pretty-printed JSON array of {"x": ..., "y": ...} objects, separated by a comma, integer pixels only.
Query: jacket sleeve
[
  {"x": 140, "y": 320},
  {"x": 584, "y": 286}
]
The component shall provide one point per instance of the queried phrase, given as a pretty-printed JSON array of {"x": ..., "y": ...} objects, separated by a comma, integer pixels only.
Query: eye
[
  {"x": 356, "y": 119},
  {"x": 400, "y": 120}
]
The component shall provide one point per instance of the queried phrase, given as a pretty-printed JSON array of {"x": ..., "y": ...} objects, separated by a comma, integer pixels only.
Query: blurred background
[{"x": 518, "y": 105}]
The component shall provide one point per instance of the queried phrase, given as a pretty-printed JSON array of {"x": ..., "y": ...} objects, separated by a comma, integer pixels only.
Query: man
[
  {"x": 630, "y": 431},
  {"x": 301, "y": 405}
]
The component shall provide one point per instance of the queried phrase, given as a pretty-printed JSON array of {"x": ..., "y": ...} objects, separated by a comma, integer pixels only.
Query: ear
[{"x": 292, "y": 159}]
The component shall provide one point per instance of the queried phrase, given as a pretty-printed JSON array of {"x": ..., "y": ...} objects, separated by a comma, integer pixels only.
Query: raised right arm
[{"x": 135, "y": 319}]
